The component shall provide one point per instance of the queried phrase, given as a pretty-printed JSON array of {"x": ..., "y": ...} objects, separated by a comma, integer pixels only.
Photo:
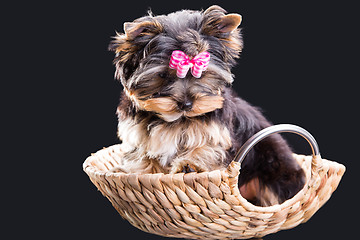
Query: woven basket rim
[
  {"x": 91, "y": 170},
  {"x": 187, "y": 206}
]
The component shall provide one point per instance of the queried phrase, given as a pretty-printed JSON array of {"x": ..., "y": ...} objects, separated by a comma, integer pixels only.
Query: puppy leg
[
  {"x": 249, "y": 189},
  {"x": 205, "y": 158},
  {"x": 257, "y": 194},
  {"x": 279, "y": 175}
]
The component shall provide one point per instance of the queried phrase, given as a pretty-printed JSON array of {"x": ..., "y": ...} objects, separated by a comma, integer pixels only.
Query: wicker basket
[{"x": 209, "y": 204}]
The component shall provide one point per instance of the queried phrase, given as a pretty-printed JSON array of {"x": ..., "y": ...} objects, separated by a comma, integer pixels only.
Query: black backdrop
[{"x": 296, "y": 65}]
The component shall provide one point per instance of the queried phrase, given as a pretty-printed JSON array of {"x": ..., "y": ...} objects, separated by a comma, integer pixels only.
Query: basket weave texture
[{"x": 208, "y": 204}]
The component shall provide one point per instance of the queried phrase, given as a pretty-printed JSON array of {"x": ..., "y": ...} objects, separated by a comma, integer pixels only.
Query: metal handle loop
[{"x": 280, "y": 128}]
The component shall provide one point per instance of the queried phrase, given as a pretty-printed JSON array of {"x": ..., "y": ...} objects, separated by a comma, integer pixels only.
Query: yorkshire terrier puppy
[{"x": 178, "y": 113}]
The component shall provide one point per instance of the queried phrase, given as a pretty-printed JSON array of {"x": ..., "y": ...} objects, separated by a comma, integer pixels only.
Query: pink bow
[{"x": 181, "y": 62}]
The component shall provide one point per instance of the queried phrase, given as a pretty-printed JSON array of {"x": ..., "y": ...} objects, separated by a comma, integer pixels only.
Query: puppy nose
[{"x": 185, "y": 106}]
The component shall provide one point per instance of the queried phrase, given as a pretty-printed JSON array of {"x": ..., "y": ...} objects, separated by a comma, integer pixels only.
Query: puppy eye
[
  {"x": 156, "y": 95},
  {"x": 163, "y": 75},
  {"x": 159, "y": 94}
]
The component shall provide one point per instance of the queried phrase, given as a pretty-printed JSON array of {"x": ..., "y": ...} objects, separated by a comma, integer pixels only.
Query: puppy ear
[
  {"x": 137, "y": 34},
  {"x": 217, "y": 23},
  {"x": 229, "y": 22},
  {"x": 130, "y": 45},
  {"x": 135, "y": 29},
  {"x": 224, "y": 27}
]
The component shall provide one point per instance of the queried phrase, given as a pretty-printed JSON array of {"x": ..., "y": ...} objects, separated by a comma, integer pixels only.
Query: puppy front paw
[{"x": 188, "y": 168}]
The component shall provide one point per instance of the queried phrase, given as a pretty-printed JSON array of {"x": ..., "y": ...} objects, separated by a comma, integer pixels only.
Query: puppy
[{"x": 178, "y": 113}]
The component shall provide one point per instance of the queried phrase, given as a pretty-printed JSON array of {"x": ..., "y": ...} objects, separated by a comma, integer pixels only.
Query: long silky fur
[{"x": 159, "y": 137}]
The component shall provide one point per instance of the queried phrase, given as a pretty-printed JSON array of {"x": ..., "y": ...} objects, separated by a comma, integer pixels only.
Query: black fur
[{"x": 271, "y": 159}]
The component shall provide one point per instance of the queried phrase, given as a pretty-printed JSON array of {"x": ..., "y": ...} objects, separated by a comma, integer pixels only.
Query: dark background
[{"x": 60, "y": 98}]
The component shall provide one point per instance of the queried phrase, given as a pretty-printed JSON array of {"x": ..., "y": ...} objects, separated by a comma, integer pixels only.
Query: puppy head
[{"x": 143, "y": 53}]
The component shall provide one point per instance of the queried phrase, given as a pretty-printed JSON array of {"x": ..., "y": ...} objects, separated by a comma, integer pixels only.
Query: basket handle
[{"x": 280, "y": 128}]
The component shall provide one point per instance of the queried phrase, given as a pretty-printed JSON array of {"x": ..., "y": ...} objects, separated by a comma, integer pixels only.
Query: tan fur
[
  {"x": 166, "y": 107},
  {"x": 252, "y": 191},
  {"x": 159, "y": 105},
  {"x": 203, "y": 145},
  {"x": 234, "y": 43},
  {"x": 267, "y": 197},
  {"x": 204, "y": 104}
]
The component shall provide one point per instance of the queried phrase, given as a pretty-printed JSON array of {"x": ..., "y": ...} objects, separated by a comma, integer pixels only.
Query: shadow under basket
[{"x": 209, "y": 204}]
